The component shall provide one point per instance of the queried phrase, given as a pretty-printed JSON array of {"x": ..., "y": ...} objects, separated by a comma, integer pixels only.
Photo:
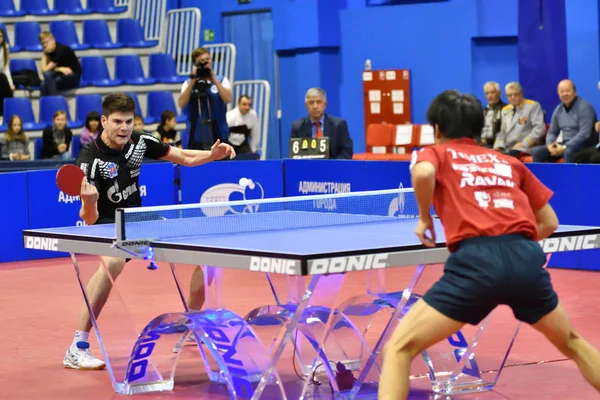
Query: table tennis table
[{"x": 322, "y": 237}]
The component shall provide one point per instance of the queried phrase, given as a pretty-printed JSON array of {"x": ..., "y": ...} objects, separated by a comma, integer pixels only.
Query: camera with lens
[
  {"x": 202, "y": 76},
  {"x": 202, "y": 71}
]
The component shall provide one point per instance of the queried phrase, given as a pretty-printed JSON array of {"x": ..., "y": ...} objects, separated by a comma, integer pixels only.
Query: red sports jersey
[{"x": 480, "y": 192}]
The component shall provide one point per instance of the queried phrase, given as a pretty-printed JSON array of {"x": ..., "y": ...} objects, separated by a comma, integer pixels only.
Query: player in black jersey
[{"x": 112, "y": 166}]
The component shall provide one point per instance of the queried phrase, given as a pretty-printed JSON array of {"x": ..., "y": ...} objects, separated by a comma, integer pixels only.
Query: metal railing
[
  {"x": 151, "y": 14},
  {"x": 260, "y": 92},
  {"x": 223, "y": 59},
  {"x": 181, "y": 37},
  {"x": 121, "y": 3}
]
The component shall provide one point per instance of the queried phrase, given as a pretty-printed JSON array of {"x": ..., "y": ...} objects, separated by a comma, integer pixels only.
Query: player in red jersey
[{"x": 494, "y": 210}]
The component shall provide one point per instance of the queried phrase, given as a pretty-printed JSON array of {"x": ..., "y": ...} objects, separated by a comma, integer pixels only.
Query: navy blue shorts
[{"x": 485, "y": 272}]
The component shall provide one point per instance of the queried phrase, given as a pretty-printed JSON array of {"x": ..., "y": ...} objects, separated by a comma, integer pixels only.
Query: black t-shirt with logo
[
  {"x": 64, "y": 56},
  {"x": 115, "y": 173}
]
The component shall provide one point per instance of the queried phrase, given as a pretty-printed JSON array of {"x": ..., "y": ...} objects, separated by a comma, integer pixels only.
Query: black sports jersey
[{"x": 115, "y": 173}]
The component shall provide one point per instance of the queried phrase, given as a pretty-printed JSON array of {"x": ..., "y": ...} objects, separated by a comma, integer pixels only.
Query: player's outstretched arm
[
  {"x": 193, "y": 158},
  {"x": 89, "y": 202},
  {"x": 423, "y": 181},
  {"x": 547, "y": 221}
]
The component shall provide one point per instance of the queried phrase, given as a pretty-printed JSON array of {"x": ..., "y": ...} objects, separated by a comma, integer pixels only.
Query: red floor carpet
[{"x": 39, "y": 302}]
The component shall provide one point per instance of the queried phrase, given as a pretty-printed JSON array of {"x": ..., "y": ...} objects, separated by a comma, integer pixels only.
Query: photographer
[{"x": 206, "y": 96}]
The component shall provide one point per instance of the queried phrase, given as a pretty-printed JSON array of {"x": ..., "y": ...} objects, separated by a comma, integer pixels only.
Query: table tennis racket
[{"x": 69, "y": 178}]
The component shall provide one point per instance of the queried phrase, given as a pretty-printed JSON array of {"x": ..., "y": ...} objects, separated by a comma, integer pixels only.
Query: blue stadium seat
[
  {"x": 158, "y": 102},
  {"x": 51, "y": 104},
  {"x": 105, "y": 7},
  {"x": 27, "y": 36},
  {"x": 130, "y": 33},
  {"x": 21, "y": 106},
  {"x": 36, "y": 7},
  {"x": 70, "y": 7},
  {"x": 64, "y": 32},
  {"x": 13, "y": 49},
  {"x": 129, "y": 69},
  {"x": 38, "y": 144},
  {"x": 138, "y": 109},
  {"x": 75, "y": 146},
  {"x": 95, "y": 72},
  {"x": 7, "y": 9},
  {"x": 97, "y": 35},
  {"x": 84, "y": 104},
  {"x": 163, "y": 69},
  {"x": 20, "y": 64}
]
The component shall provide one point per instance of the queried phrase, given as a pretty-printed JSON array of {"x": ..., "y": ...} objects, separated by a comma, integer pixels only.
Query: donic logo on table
[{"x": 245, "y": 189}]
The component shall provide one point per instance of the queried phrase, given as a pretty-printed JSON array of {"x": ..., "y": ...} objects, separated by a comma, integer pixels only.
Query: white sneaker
[{"x": 82, "y": 358}]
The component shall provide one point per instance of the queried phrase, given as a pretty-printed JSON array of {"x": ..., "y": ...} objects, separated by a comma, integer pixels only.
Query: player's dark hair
[
  {"x": 457, "y": 115},
  {"x": 117, "y": 102}
]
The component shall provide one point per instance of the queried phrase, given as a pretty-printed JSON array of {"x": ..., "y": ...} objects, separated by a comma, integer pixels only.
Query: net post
[{"x": 120, "y": 224}]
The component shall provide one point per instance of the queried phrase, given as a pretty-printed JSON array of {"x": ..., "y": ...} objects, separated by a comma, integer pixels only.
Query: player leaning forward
[
  {"x": 112, "y": 164},
  {"x": 491, "y": 232}
]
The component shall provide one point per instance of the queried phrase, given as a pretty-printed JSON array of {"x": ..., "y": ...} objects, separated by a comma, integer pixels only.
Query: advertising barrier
[{"x": 36, "y": 202}]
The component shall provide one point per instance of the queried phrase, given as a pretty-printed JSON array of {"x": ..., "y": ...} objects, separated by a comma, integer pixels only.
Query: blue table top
[{"x": 385, "y": 233}]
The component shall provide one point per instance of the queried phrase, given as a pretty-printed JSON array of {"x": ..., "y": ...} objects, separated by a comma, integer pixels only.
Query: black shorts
[{"x": 485, "y": 272}]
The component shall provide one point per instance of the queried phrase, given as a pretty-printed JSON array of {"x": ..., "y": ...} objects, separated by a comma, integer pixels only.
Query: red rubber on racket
[{"x": 69, "y": 178}]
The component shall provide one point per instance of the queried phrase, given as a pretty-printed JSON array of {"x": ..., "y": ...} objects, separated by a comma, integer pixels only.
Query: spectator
[
  {"x": 492, "y": 113},
  {"x": 57, "y": 138},
  {"x": 522, "y": 123},
  {"x": 319, "y": 124},
  {"x": 591, "y": 154},
  {"x": 243, "y": 127},
  {"x": 16, "y": 144},
  {"x": 7, "y": 86},
  {"x": 166, "y": 130},
  {"x": 138, "y": 125},
  {"x": 206, "y": 96},
  {"x": 90, "y": 131},
  {"x": 60, "y": 66},
  {"x": 571, "y": 129}
]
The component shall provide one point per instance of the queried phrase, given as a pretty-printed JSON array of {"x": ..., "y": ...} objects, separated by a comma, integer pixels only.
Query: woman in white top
[{"x": 6, "y": 83}]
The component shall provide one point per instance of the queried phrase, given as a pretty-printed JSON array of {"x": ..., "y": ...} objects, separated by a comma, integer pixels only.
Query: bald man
[{"x": 571, "y": 129}]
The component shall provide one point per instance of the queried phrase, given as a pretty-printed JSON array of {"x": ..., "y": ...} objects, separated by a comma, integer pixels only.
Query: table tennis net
[{"x": 244, "y": 216}]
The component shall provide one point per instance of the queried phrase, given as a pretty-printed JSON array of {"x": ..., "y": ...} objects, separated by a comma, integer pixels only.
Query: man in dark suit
[{"x": 319, "y": 124}]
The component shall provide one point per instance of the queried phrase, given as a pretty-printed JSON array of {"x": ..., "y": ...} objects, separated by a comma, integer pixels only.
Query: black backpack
[{"x": 27, "y": 78}]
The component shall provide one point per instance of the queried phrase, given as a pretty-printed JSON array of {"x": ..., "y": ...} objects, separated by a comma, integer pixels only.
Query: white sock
[{"x": 80, "y": 336}]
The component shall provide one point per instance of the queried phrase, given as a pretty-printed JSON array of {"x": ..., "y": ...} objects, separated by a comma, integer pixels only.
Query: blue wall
[
  {"x": 447, "y": 44},
  {"x": 424, "y": 38},
  {"x": 583, "y": 49}
]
